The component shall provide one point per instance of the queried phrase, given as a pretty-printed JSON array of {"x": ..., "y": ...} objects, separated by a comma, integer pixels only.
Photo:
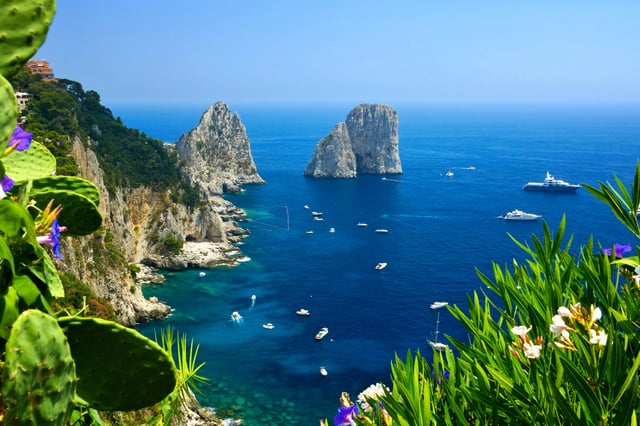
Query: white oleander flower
[{"x": 520, "y": 330}]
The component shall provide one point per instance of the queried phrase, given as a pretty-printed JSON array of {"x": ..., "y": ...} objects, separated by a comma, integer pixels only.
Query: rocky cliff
[
  {"x": 367, "y": 143},
  {"x": 217, "y": 153},
  {"x": 138, "y": 222}
]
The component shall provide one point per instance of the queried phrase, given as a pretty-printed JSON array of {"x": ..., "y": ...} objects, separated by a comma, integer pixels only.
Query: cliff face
[
  {"x": 137, "y": 222},
  {"x": 334, "y": 156},
  {"x": 366, "y": 143},
  {"x": 217, "y": 153}
]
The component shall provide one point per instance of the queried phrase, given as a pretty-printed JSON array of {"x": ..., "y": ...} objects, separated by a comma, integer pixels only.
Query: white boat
[
  {"x": 361, "y": 224},
  {"x": 438, "y": 305},
  {"x": 323, "y": 371},
  {"x": 381, "y": 266},
  {"x": 449, "y": 173},
  {"x": 551, "y": 184},
  {"x": 269, "y": 326},
  {"x": 306, "y": 207},
  {"x": 236, "y": 317},
  {"x": 202, "y": 274},
  {"x": 303, "y": 312},
  {"x": 309, "y": 232},
  {"x": 332, "y": 229},
  {"x": 520, "y": 215},
  {"x": 318, "y": 218},
  {"x": 382, "y": 231},
  {"x": 316, "y": 214},
  {"x": 435, "y": 345},
  {"x": 323, "y": 332}
]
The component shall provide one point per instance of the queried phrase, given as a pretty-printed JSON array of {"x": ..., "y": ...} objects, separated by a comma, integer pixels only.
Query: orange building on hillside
[{"x": 42, "y": 68}]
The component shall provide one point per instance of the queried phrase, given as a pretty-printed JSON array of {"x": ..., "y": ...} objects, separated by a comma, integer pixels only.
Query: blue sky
[{"x": 351, "y": 51}]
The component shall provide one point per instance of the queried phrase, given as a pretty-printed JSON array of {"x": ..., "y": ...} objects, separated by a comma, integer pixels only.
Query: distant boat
[
  {"x": 309, "y": 232},
  {"x": 318, "y": 218},
  {"x": 269, "y": 326},
  {"x": 323, "y": 371},
  {"x": 303, "y": 312},
  {"x": 202, "y": 274},
  {"x": 435, "y": 345},
  {"x": 316, "y": 214},
  {"x": 332, "y": 229},
  {"x": 306, "y": 207},
  {"x": 551, "y": 184},
  {"x": 382, "y": 231},
  {"x": 236, "y": 317},
  {"x": 323, "y": 332},
  {"x": 519, "y": 215},
  {"x": 449, "y": 173},
  {"x": 381, "y": 266},
  {"x": 361, "y": 224}
]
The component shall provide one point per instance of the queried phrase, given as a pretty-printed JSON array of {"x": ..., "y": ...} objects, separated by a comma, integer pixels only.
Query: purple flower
[
  {"x": 345, "y": 416},
  {"x": 7, "y": 183},
  {"x": 619, "y": 249},
  {"x": 53, "y": 239},
  {"x": 20, "y": 139}
]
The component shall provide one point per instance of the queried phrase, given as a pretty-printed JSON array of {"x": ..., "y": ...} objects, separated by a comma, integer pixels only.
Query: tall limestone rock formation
[
  {"x": 217, "y": 154},
  {"x": 367, "y": 143},
  {"x": 334, "y": 156}
]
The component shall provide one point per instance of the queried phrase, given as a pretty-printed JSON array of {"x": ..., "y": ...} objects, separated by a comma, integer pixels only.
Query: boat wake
[{"x": 391, "y": 180}]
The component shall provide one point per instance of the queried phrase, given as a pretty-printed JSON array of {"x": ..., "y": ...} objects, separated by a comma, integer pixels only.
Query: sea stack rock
[
  {"x": 367, "y": 143},
  {"x": 334, "y": 156},
  {"x": 217, "y": 153}
]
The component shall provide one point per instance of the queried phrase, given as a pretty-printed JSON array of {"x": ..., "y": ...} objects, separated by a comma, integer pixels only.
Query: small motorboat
[
  {"x": 309, "y": 232},
  {"x": 318, "y": 218},
  {"x": 202, "y": 274},
  {"x": 332, "y": 229},
  {"x": 303, "y": 312},
  {"x": 519, "y": 215},
  {"x": 323, "y": 332},
  {"x": 268, "y": 326},
  {"x": 323, "y": 371},
  {"x": 362, "y": 225},
  {"x": 382, "y": 231},
  {"x": 381, "y": 266},
  {"x": 449, "y": 173},
  {"x": 236, "y": 317},
  {"x": 316, "y": 214},
  {"x": 438, "y": 305},
  {"x": 306, "y": 207}
]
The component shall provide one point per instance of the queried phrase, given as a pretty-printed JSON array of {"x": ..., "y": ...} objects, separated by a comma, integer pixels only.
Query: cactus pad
[
  {"x": 117, "y": 367},
  {"x": 38, "y": 379},
  {"x": 67, "y": 183},
  {"x": 23, "y": 29},
  {"x": 8, "y": 112},
  {"x": 35, "y": 162}
]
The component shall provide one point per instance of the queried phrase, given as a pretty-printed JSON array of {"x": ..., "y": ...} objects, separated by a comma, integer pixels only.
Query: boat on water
[
  {"x": 268, "y": 326},
  {"x": 382, "y": 231},
  {"x": 303, "y": 312},
  {"x": 449, "y": 173},
  {"x": 520, "y": 215},
  {"x": 323, "y": 371},
  {"x": 202, "y": 274},
  {"x": 236, "y": 317},
  {"x": 435, "y": 345},
  {"x": 306, "y": 207},
  {"x": 323, "y": 332},
  {"x": 316, "y": 214},
  {"x": 309, "y": 232},
  {"x": 551, "y": 184},
  {"x": 381, "y": 266},
  {"x": 332, "y": 229},
  {"x": 361, "y": 224}
]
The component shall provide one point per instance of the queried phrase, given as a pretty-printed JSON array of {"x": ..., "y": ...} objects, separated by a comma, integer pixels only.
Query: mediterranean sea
[{"x": 439, "y": 230}]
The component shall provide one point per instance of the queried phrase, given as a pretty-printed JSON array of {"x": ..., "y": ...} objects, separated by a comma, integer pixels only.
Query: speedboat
[
  {"x": 306, "y": 207},
  {"x": 437, "y": 346},
  {"x": 381, "y": 266},
  {"x": 202, "y": 274},
  {"x": 316, "y": 214},
  {"x": 332, "y": 229},
  {"x": 551, "y": 184},
  {"x": 303, "y": 312},
  {"x": 361, "y": 224},
  {"x": 318, "y": 218},
  {"x": 449, "y": 173},
  {"x": 438, "y": 305},
  {"x": 268, "y": 326},
  {"x": 236, "y": 317},
  {"x": 519, "y": 215},
  {"x": 382, "y": 231},
  {"x": 323, "y": 371},
  {"x": 323, "y": 332},
  {"x": 309, "y": 232}
]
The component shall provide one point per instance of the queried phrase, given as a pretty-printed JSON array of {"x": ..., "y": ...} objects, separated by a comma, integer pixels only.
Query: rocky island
[{"x": 366, "y": 143}]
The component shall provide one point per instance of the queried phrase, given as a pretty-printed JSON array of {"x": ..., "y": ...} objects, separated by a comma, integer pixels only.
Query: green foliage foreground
[
  {"x": 553, "y": 341},
  {"x": 58, "y": 369}
]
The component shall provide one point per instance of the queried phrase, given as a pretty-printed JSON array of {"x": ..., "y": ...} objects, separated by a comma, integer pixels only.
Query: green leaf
[
  {"x": 9, "y": 311},
  {"x": 8, "y": 111},
  {"x": 23, "y": 29},
  {"x": 79, "y": 214},
  {"x": 35, "y": 162},
  {"x": 66, "y": 183}
]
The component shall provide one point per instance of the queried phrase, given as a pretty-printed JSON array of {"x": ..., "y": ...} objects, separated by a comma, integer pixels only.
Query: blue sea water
[{"x": 440, "y": 229}]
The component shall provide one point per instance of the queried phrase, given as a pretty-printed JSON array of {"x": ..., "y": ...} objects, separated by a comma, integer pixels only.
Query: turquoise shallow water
[{"x": 439, "y": 229}]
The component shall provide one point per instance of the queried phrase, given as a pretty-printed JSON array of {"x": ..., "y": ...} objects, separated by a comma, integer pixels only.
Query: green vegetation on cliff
[{"x": 129, "y": 158}]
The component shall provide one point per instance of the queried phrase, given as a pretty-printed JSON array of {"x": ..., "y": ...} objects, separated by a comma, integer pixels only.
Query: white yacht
[{"x": 520, "y": 215}]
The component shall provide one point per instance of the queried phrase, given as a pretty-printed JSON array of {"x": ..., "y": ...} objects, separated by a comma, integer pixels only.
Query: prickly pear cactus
[
  {"x": 23, "y": 29},
  {"x": 35, "y": 162},
  {"x": 117, "y": 367},
  {"x": 67, "y": 183},
  {"x": 38, "y": 379},
  {"x": 8, "y": 111}
]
